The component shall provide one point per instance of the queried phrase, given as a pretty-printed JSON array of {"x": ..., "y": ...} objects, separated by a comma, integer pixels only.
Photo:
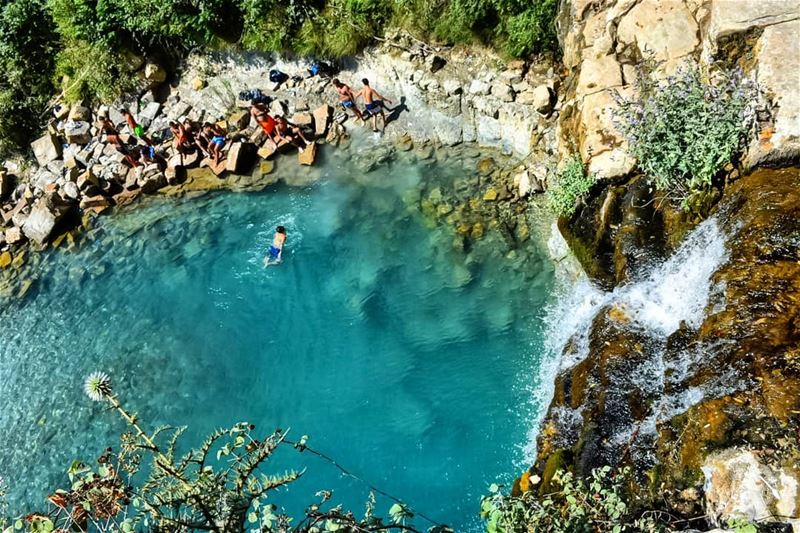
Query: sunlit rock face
[
  {"x": 695, "y": 355},
  {"x": 603, "y": 41}
]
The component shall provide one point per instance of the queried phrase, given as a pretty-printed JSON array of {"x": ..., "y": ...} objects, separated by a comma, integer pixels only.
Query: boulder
[
  {"x": 42, "y": 220},
  {"x": 503, "y": 92},
  {"x": 452, "y": 87},
  {"x": 87, "y": 180},
  {"x": 664, "y": 27},
  {"x": 724, "y": 21},
  {"x": 542, "y": 99},
  {"x": 239, "y": 120},
  {"x": 179, "y": 110},
  {"x": 322, "y": 117},
  {"x": 151, "y": 182},
  {"x": 302, "y": 119},
  {"x": 778, "y": 64},
  {"x": 523, "y": 183},
  {"x": 71, "y": 190},
  {"x": 14, "y": 235},
  {"x": 307, "y": 156},
  {"x": 149, "y": 113},
  {"x": 478, "y": 87},
  {"x": 79, "y": 113},
  {"x": 77, "y": 132},
  {"x": 46, "y": 149},
  {"x": 198, "y": 84},
  {"x": 241, "y": 157},
  {"x": 154, "y": 74},
  {"x": 96, "y": 203},
  {"x": 267, "y": 149},
  {"x": 278, "y": 107},
  {"x": 5, "y": 259}
]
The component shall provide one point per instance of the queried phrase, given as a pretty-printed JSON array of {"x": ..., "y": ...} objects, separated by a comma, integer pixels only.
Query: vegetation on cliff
[
  {"x": 684, "y": 128},
  {"x": 89, "y": 48}
]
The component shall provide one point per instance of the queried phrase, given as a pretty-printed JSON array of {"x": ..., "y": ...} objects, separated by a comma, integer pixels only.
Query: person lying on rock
[
  {"x": 184, "y": 140},
  {"x": 108, "y": 129},
  {"x": 135, "y": 128},
  {"x": 374, "y": 102},
  {"x": 260, "y": 112},
  {"x": 275, "y": 252},
  {"x": 347, "y": 98},
  {"x": 216, "y": 140},
  {"x": 288, "y": 133}
]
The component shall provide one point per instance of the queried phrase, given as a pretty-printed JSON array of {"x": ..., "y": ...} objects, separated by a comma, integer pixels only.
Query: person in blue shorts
[
  {"x": 275, "y": 252},
  {"x": 216, "y": 140},
  {"x": 347, "y": 98},
  {"x": 374, "y": 101}
]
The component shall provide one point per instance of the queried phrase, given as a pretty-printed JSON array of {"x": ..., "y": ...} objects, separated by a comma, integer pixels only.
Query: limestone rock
[
  {"x": 302, "y": 119},
  {"x": 478, "y": 87},
  {"x": 666, "y": 27},
  {"x": 241, "y": 157},
  {"x": 307, "y": 156},
  {"x": 87, "y": 180},
  {"x": 453, "y": 87},
  {"x": 724, "y": 21},
  {"x": 198, "y": 84},
  {"x": 46, "y": 149},
  {"x": 5, "y": 259},
  {"x": 542, "y": 99},
  {"x": 14, "y": 235},
  {"x": 79, "y": 113},
  {"x": 778, "y": 65},
  {"x": 278, "y": 107},
  {"x": 42, "y": 220},
  {"x": 77, "y": 132},
  {"x": 71, "y": 190},
  {"x": 503, "y": 92},
  {"x": 739, "y": 485},
  {"x": 155, "y": 73},
  {"x": 598, "y": 73},
  {"x": 94, "y": 202},
  {"x": 239, "y": 120},
  {"x": 149, "y": 114},
  {"x": 322, "y": 117},
  {"x": 490, "y": 195}
]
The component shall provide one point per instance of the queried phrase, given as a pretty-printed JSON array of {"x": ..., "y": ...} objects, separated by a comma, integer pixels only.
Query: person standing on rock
[
  {"x": 347, "y": 98},
  {"x": 136, "y": 129},
  {"x": 374, "y": 102},
  {"x": 260, "y": 112}
]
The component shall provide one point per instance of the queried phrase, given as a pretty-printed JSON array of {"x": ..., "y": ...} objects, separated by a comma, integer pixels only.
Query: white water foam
[{"x": 674, "y": 292}]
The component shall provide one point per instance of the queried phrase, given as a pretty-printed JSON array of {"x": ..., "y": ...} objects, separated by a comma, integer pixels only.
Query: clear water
[{"x": 411, "y": 363}]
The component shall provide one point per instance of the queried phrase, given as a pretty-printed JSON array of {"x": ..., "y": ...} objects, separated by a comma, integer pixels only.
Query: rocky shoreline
[{"x": 443, "y": 98}]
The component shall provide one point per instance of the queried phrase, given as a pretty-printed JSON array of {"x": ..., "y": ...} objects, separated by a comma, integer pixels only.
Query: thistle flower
[{"x": 97, "y": 386}]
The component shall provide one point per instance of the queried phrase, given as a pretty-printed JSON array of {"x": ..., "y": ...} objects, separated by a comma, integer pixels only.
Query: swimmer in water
[{"x": 275, "y": 253}]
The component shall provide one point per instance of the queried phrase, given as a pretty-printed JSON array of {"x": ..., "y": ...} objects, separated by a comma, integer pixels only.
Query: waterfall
[{"x": 673, "y": 292}]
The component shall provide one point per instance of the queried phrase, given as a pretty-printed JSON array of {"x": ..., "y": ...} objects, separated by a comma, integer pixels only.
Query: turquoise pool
[{"x": 414, "y": 364}]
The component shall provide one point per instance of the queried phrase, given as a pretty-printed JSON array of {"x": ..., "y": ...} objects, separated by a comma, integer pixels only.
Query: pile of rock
[{"x": 80, "y": 172}]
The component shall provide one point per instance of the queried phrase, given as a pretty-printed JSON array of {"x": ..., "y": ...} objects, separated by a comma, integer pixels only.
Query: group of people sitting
[
  {"x": 373, "y": 102},
  {"x": 210, "y": 138}
]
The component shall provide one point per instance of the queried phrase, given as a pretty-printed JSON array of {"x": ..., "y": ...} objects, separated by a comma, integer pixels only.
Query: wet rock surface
[{"x": 666, "y": 399}]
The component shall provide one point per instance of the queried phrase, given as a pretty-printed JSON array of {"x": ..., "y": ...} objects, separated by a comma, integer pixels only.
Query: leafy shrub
[
  {"x": 89, "y": 70},
  {"x": 683, "y": 129},
  {"x": 218, "y": 486},
  {"x": 576, "y": 505},
  {"x": 570, "y": 185}
]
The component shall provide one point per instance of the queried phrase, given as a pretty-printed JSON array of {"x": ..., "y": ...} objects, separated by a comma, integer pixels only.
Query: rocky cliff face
[
  {"x": 603, "y": 40},
  {"x": 687, "y": 367}
]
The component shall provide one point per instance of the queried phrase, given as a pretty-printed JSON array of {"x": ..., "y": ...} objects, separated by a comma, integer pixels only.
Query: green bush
[
  {"x": 683, "y": 129},
  {"x": 575, "y": 505},
  {"x": 571, "y": 183}
]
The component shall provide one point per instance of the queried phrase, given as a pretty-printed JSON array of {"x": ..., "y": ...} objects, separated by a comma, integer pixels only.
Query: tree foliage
[{"x": 81, "y": 46}]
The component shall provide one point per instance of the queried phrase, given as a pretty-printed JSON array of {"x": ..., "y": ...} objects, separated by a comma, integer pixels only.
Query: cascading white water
[{"x": 673, "y": 292}]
